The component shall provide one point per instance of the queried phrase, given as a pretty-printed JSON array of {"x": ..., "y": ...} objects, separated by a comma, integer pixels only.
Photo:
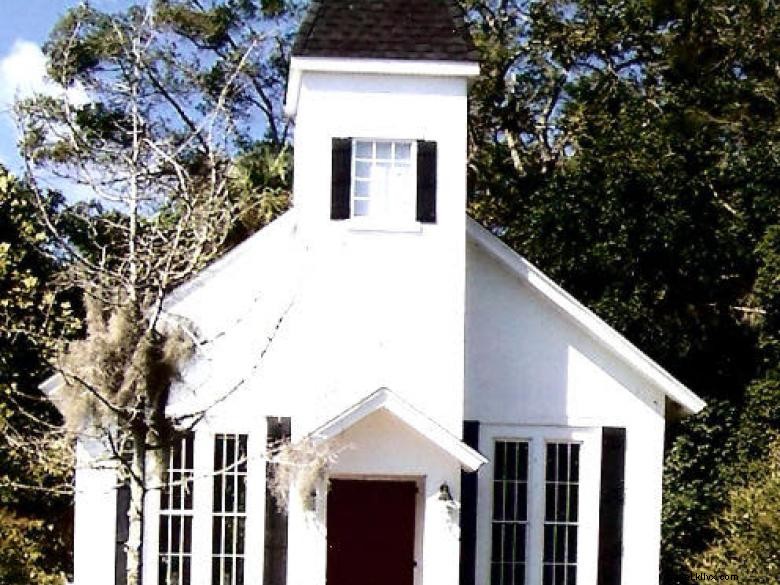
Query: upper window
[{"x": 383, "y": 183}]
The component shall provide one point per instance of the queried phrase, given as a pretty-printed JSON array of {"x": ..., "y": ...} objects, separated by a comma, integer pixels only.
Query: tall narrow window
[
  {"x": 510, "y": 513},
  {"x": 229, "y": 516},
  {"x": 383, "y": 181},
  {"x": 175, "y": 550},
  {"x": 562, "y": 475}
]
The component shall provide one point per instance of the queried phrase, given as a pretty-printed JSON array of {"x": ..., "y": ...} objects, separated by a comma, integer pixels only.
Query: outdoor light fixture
[{"x": 444, "y": 493}]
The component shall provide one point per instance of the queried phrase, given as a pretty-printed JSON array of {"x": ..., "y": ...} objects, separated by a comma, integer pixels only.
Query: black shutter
[
  {"x": 613, "y": 465},
  {"x": 468, "y": 510},
  {"x": 340, "y": 178},
  {"x": 122, "y": 534},
  {"x": 426, "y": 181},
  {"x": 275, "y": 561}
]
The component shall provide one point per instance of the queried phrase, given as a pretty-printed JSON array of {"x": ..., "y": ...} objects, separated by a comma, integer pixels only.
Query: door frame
[{"x": 419, "y": 511}]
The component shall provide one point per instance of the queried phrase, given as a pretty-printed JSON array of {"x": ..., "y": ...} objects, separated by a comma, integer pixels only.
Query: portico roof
[{"x": 384, "y": 399}]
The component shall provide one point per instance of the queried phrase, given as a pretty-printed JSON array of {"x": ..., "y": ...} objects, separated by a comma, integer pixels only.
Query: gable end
[{"x": 594, "y": 326}]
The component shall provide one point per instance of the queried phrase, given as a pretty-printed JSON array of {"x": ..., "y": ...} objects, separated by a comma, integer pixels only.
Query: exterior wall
[
  {"x": 94, "y": 517},
  {"x": 382, "y": 307},
  {"x": 356, "y": 309},
  {"x": 528, "y": 366},
  {"x": 380, "y": 446}
]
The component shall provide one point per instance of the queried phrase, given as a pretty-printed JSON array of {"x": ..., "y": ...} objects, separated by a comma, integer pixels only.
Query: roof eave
[{"x": 52, "y": 385}]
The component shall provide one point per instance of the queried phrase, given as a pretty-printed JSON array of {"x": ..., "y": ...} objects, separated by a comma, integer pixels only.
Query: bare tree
[{"x": 153, "y": 130}]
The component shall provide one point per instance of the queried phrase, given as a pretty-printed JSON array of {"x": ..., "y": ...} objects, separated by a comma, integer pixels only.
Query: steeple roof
[{"x": 385, "y": 29}]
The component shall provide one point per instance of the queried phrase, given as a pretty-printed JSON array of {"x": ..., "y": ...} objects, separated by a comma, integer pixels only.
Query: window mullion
[
  {"x": 381, "y": 185},
  {"x": 536, "y": 512}
]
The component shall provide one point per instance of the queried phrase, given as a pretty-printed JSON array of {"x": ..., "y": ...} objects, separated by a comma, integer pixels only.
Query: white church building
[{"x": 482, "y": 426}]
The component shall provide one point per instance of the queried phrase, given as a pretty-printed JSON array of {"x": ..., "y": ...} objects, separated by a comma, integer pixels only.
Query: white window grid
[
  {"x": 509, "y": 534},
  {"x": 561, "y": 515},
  {"x": 176, "y": 506},
  {"x": 388, "y": 196},
  {"x": 229, "y": 509}
]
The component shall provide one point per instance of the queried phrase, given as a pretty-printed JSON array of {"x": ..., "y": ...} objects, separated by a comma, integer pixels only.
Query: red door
[{"x": 371, "y": 532}]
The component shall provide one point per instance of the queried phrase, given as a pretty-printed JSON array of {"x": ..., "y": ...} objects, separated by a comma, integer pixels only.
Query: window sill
[{"x": 369, "y": 225}]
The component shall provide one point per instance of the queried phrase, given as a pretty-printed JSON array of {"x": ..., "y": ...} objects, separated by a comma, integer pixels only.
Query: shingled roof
[{"x": 385, "y": 29}]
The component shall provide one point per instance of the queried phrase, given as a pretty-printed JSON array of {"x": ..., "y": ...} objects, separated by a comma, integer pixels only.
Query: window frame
[
  {"x": 566, "y": 522},
  {"x": 384, "y": 220},
  {"x": 504, "y": 522},
  {"x": 234, "y": 474},
  {"x": 589, "y": 496},
  {"x": 167, "y": 514}
]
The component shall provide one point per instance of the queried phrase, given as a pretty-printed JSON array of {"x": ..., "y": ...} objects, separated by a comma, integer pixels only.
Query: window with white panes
[
  {"x": 383, "y": 179},
  {"x": 229, "y": 509},
  {"x": 510, "y": 513},
  {"x": 561, "y": 513},
  {"x": 175, "y": 528}
]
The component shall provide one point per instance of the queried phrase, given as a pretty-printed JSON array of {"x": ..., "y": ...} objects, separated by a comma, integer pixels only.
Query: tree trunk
[{"x": 135, "y": 513}]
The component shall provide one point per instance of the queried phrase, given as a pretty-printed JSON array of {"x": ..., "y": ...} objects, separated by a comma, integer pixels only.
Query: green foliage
[
  {"x": 747, "y": 538},
  {"x": 262, "y": 183},
  {"x": 767, "y": 291},
  {"x": 23, "y": 550},
  {"x": 34, "y": 315},
  {"x": 695, "y": 484},
  {"x": 631, "y": 150}
]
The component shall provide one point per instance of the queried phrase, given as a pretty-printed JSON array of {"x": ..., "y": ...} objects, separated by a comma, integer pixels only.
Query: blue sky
[{"x": 24, "y": 26}]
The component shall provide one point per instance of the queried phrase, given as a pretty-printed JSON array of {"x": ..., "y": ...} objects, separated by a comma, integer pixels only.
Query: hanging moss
[
  {"x": 302, "y": 465},
  {"x": 120, "y": 374}
]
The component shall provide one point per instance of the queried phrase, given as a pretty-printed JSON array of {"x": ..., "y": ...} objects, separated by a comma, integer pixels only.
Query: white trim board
[
  {"x": 383, "y": 398},
  {"x": 298, "y": 65},
  {"x": 585, "y": 318}
]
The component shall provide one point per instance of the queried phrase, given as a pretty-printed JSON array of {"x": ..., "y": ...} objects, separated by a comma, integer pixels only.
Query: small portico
[{"x": 388, "y": 512}]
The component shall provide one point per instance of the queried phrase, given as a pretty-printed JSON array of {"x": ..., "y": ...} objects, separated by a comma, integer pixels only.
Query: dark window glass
[
  {"x": 175, "y": 526},
  {"x": 561, "y": 514},
  {"x": 510, "y": 513},
  {"x": 229, "y": 509}
]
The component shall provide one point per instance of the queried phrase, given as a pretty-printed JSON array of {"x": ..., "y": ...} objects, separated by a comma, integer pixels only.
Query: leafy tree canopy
[
  {"x": 34, "y": 314},
  {"x": 631, "y": 150}
]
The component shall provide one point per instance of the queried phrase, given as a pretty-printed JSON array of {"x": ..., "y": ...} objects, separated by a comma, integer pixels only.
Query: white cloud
[{"x": 23, "y": 73}]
